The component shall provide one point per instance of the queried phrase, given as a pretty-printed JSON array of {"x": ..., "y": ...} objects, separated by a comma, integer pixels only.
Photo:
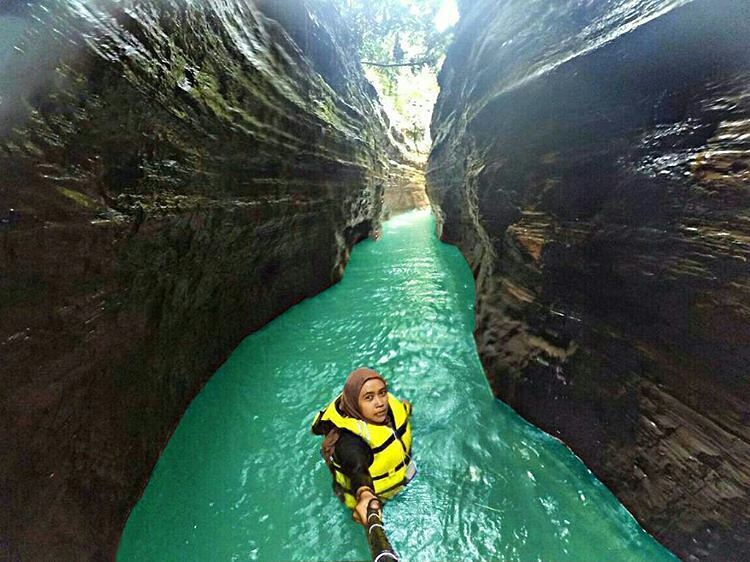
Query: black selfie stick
[{"x": 380, "y": 547}]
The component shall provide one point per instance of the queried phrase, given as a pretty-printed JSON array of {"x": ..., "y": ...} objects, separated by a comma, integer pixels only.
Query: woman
[{"x": 367, "y": 443}]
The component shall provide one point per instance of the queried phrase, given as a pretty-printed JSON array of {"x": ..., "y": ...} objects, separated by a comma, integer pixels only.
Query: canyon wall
[
  {"x": 406, "y": 188},
  {"x": 175, "y": 173},
  {"x": 592, "y": 162}
]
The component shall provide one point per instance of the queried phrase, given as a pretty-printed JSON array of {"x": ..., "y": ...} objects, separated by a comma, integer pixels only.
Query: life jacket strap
[
  {"x": 392, "y": 471},
  {"x": 399, "y": 433},
  {"x": 395, "y": 486}
]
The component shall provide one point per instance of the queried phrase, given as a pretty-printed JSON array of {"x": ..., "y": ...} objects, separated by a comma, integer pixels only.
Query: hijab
[{"x": 349, "y": 405}]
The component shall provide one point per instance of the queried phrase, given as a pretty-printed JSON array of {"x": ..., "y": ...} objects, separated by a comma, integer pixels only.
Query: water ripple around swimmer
[{"x": 242, "y": 479}]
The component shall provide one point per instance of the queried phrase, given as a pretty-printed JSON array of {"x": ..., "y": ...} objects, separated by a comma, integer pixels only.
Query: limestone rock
[
  {"x": 175, "y": 173},
  {"x": 405, "y": 189},
  {"x": 592, "y": 161}
]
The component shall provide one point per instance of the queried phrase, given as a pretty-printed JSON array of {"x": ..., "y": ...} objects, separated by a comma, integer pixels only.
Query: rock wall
[
  {"x": 405, "y": 189},
  {"x": 175, "y": 173},
  {"x": 592, "y": 162}
]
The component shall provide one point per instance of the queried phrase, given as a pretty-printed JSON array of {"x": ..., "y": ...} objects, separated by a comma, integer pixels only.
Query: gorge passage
[
  {"x": 242, "y": 477},
  {"x": 177, "y": 173}
]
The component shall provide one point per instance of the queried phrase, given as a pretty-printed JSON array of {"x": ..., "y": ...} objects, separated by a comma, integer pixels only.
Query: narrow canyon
[{"x": 176, "y": 174}]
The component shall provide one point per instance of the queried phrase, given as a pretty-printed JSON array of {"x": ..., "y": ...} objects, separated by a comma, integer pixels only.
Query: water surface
[{"x": 242, "y": 479}]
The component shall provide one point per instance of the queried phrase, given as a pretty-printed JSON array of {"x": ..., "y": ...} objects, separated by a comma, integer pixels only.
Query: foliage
[
  {"x": 409, "y": 102},
  {"x": 395, "y": 32},
  {"x": 400, "y": 45}
]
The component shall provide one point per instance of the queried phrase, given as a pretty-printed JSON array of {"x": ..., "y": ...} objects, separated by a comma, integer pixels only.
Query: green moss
[
  {"x": 32, "y": 150},
  {"x": 78, "y": 197}
]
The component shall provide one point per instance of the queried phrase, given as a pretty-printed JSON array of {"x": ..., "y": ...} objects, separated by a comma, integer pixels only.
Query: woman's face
[{"x": 373, "y": 401}]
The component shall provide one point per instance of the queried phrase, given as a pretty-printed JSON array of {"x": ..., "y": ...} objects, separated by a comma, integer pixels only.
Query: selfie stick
[{"x": 380, "y": 547}]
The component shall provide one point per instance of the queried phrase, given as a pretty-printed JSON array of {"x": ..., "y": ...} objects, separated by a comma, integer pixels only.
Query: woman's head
[{"x": 365, "y": 396}]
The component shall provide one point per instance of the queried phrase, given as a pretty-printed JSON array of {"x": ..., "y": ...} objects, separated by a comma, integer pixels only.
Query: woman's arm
[{"x": 354, "y": 457}]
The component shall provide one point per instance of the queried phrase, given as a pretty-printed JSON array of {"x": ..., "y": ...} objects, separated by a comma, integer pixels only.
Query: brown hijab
[{"x": 349, "y": 405}]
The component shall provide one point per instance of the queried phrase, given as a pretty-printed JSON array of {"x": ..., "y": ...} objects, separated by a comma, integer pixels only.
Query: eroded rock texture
[
  {"x": 592, "y": 161},
  {"x": 405, "y": 188},
  {"x": 175, "y": 173}
]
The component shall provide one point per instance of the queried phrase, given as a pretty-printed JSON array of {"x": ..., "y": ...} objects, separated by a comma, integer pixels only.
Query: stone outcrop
[
  {"x": 592, "y": 162},
  {"x": 405, "y": 189},
  {"x": 175, "y": 173}
]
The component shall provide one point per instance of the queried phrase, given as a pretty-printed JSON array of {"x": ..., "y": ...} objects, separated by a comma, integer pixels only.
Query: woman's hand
[{"x": 360, "y": 512}]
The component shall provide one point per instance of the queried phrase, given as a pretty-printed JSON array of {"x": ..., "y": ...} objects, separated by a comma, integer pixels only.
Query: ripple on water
[{"x": 242, "y": 479}]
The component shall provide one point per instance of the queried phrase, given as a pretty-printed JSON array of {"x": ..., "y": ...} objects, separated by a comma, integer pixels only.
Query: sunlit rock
[{"x": 591, "y": 161}]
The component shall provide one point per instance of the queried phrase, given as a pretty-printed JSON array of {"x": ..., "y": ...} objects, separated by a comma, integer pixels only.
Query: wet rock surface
[
  {"x": 174, "y": 175},
  {"x": 405, "y": 190},
  {"x": 592, "y": 162}
]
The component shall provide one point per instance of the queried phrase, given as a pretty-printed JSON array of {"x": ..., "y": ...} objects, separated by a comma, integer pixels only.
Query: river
[{"x": 242, "y": 478}]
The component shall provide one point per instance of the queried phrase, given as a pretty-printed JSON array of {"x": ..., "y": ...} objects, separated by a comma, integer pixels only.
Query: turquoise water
[{"x": 242, "y": 479}]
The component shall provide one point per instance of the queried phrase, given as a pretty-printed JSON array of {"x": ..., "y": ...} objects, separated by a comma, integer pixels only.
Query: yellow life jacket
[{"x": 391, "y": 449}]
